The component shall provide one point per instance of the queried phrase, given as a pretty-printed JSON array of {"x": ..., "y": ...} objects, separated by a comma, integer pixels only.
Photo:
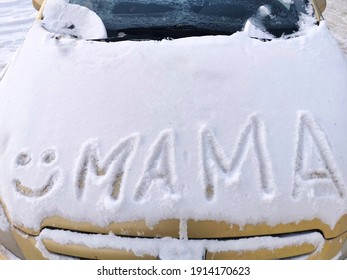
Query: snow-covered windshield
[{"x": 277, "y": 17}]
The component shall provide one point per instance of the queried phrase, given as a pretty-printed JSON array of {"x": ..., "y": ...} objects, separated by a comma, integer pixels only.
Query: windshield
[{"x": 180, "y": 18}]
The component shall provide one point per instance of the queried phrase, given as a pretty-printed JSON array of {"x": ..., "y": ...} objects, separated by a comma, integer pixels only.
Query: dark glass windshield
[{"x": 182, "y": 18}]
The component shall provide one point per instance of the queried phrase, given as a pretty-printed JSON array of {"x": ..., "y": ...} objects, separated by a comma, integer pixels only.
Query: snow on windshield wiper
[{"x": 160, "y": 33}]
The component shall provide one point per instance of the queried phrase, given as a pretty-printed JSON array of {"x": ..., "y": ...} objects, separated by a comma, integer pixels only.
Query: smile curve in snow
[{"x": 47, "y": 187}]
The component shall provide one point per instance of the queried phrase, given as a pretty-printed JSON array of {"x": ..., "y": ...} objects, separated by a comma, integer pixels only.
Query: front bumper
[
  {"x": 60, "y": 244},
  {"x": 59, "y": 238},
  {"x": 171, "y": 239}
]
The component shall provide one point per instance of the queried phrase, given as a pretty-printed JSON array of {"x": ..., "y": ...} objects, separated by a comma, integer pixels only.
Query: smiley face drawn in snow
[{"x": 23, "y": 168}]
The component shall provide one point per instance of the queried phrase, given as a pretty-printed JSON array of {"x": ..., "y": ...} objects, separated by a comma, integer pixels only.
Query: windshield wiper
[{"x": 160, "y": 33}]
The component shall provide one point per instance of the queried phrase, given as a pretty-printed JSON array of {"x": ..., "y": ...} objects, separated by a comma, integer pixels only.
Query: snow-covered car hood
[{"x": 222, "y": 128}]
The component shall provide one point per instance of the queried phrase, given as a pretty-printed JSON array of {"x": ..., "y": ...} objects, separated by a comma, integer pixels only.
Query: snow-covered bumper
[{"x": 173, "y": 239}]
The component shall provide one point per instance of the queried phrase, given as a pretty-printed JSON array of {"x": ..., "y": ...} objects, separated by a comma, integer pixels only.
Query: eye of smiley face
[
  {"x": 24, "y": 160},
  {"x": 48, "y": 157}
]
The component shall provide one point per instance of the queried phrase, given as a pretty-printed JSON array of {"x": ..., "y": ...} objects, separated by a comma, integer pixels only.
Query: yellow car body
[{"x": 170, "y": 232}]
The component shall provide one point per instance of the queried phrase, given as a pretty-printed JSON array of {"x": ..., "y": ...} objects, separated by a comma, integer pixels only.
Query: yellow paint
[{"x": 84, "y": 252}]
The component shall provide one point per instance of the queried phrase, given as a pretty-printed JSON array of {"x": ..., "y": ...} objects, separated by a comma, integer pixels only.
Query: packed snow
[{"x": 72, "y": 20}]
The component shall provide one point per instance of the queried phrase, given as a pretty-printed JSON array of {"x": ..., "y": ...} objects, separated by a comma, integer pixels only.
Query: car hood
[{"x": 223, "y": 128}]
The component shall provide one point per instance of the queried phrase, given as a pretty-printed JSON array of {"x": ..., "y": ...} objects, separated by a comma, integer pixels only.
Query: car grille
[{"x": 108, "y": 246}]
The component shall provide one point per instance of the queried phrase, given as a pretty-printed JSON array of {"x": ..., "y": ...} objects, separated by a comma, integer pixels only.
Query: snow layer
[
  {"x": 16, "y": 17},
  {"x": 72, "y": 20},
  {"x": 218, "y": 127},
  {"x": 336, "y": 17}
]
